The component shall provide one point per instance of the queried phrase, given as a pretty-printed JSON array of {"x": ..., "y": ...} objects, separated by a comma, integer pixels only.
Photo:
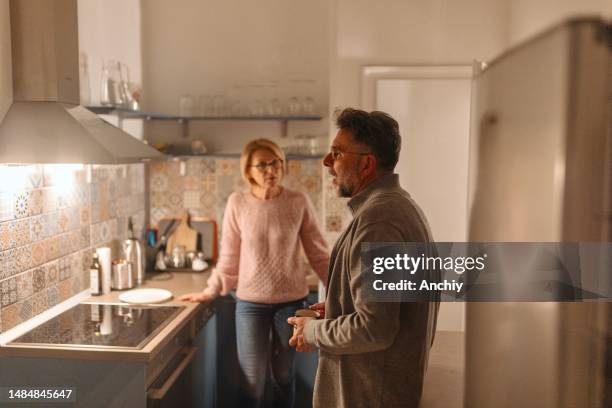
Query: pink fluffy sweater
[{"x": 260, "y": 248}]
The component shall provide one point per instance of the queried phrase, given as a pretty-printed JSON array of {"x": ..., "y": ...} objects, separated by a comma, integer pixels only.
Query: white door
[{"x": 432, "y": 107}]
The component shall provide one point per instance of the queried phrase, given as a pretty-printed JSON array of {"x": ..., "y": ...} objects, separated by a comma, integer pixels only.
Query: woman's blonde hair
[{"x": 247, "y": 152}]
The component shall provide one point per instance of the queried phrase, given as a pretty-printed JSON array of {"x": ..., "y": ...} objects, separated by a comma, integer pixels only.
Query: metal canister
[
  {"x": 132, "y": 249},
  {"x": 122, "y": 277}
]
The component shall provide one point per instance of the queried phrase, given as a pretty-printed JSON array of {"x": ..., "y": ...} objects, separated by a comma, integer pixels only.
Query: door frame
[{"x": 371, "y": 74}]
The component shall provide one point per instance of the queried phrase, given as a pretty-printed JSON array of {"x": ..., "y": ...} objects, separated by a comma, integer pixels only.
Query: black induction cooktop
[{"x": 97, "y": 325}]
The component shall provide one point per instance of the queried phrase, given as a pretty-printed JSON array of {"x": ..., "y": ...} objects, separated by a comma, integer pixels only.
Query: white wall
[
  {"x": 410, "y": 32},
  {"x": 413, "y": 32},
  {"x": 202, "y": 47},
  {"x": 527, "y": 17},
  {"x": 6, "y": 84},
  {"x": 111, "y": 29}
]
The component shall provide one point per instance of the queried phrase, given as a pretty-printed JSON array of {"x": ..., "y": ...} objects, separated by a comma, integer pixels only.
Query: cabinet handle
[{"x": 159, "y": 393}]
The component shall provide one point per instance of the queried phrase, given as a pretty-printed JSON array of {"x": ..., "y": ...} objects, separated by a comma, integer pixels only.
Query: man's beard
[{"x": 345, "y": 191}]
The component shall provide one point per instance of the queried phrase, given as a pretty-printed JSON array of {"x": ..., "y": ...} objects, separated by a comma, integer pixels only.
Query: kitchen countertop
[{"x": 178, "y": 283}]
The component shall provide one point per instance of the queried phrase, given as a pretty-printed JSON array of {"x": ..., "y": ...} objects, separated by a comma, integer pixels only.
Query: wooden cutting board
[
  {"x": 207, "y": 233},
  {"x": 183, "y": 235}
]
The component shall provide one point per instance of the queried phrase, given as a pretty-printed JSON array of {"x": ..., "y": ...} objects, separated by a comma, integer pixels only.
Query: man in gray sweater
[{"x": 372, "y": 354}]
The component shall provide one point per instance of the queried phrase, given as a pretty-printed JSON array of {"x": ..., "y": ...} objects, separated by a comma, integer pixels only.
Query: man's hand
[
  {"x": 319, "y": 307},
  {"x": 197, "y": 297},
  {"x": 297, "y": 340}
]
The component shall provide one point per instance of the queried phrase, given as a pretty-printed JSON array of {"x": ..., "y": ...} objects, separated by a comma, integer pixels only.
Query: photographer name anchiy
[{"x": 425, "y": 285}]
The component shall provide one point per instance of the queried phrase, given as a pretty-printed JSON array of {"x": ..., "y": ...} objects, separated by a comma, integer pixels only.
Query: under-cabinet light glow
[
  {"x": 15, "y": 177},
  {"x": 61, "y": 176}
]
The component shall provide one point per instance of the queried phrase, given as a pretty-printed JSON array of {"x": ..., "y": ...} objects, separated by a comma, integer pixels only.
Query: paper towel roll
[
  {"x": 104, "y": 255},
  {"x": 106, "y": 327}
]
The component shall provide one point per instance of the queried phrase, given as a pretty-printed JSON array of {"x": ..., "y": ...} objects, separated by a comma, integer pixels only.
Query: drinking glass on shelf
[
  {"x": 219, "y": 105},
  {"x": 116, "y": 97},
  {"x": 257, "y": 102},
  {"x": 124, "y": 84},
  {"x": 205, "y": 103},
  {"x": 186, "y": 105},
  {"x": 258, "y": 108},
  {"x": 110, "y": 94},
  {"x": 300, "y": 145},
  {"x": 106, "y": 85},
  {"x": 235, "y": 105},
  {"x": 308, "y": 106},
  {"x": 312, "y": 145},
  {"x": 84, "y": 88},
  {"x": 294, "y": 106},
  {"x": 273, "y": 107},
  {"x": 307, "y": 87}
]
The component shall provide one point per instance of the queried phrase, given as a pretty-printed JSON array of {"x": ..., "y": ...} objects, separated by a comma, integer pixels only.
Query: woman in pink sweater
[{"x": 261, "y": 258}]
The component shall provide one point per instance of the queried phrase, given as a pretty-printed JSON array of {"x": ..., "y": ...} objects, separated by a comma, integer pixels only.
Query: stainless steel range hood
[{"x": 45, "y": 123}]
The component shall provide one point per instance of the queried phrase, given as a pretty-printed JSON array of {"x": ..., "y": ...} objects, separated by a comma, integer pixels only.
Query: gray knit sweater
[{"x": 372, "y": 354}]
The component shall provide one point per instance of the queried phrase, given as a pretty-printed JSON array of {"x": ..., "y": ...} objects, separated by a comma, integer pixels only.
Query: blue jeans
[{"x": 262, "y": 336}]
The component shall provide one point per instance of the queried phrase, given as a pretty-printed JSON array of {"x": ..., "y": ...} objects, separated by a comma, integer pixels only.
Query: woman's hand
[
  {"x": 197, "y": 297},
  {"x": 319, "y": 307}
]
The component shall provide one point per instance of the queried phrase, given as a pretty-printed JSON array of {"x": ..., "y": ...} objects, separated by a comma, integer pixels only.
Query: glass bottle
[{"x": 95, "y": 278}]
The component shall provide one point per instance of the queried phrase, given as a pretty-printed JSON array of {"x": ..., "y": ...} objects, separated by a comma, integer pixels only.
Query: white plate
[{"x": 145, "y": 295}]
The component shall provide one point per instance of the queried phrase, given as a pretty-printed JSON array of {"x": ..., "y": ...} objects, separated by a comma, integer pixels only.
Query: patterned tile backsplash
[
  {"x": 207, "y": 183},
  {"x": 51, "y": 219}
]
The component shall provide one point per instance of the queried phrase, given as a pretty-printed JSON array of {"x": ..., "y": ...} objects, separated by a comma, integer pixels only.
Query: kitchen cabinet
[
  {"x": 202, "y": 377},
  {"x": 102, "y": 375},
  {"x": 194, "y": 386},
  {"x": 228, "y": 370},
  {"x": 116, "y": 367}
]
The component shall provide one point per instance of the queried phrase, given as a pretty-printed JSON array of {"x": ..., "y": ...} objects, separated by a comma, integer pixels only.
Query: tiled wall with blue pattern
[
  {"x": 207, "y": 183},
  {"x": 51, "y": 218}
]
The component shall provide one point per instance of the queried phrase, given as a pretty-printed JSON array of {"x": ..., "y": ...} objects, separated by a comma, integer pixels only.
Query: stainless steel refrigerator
[{"x": 540, "y": 171}]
